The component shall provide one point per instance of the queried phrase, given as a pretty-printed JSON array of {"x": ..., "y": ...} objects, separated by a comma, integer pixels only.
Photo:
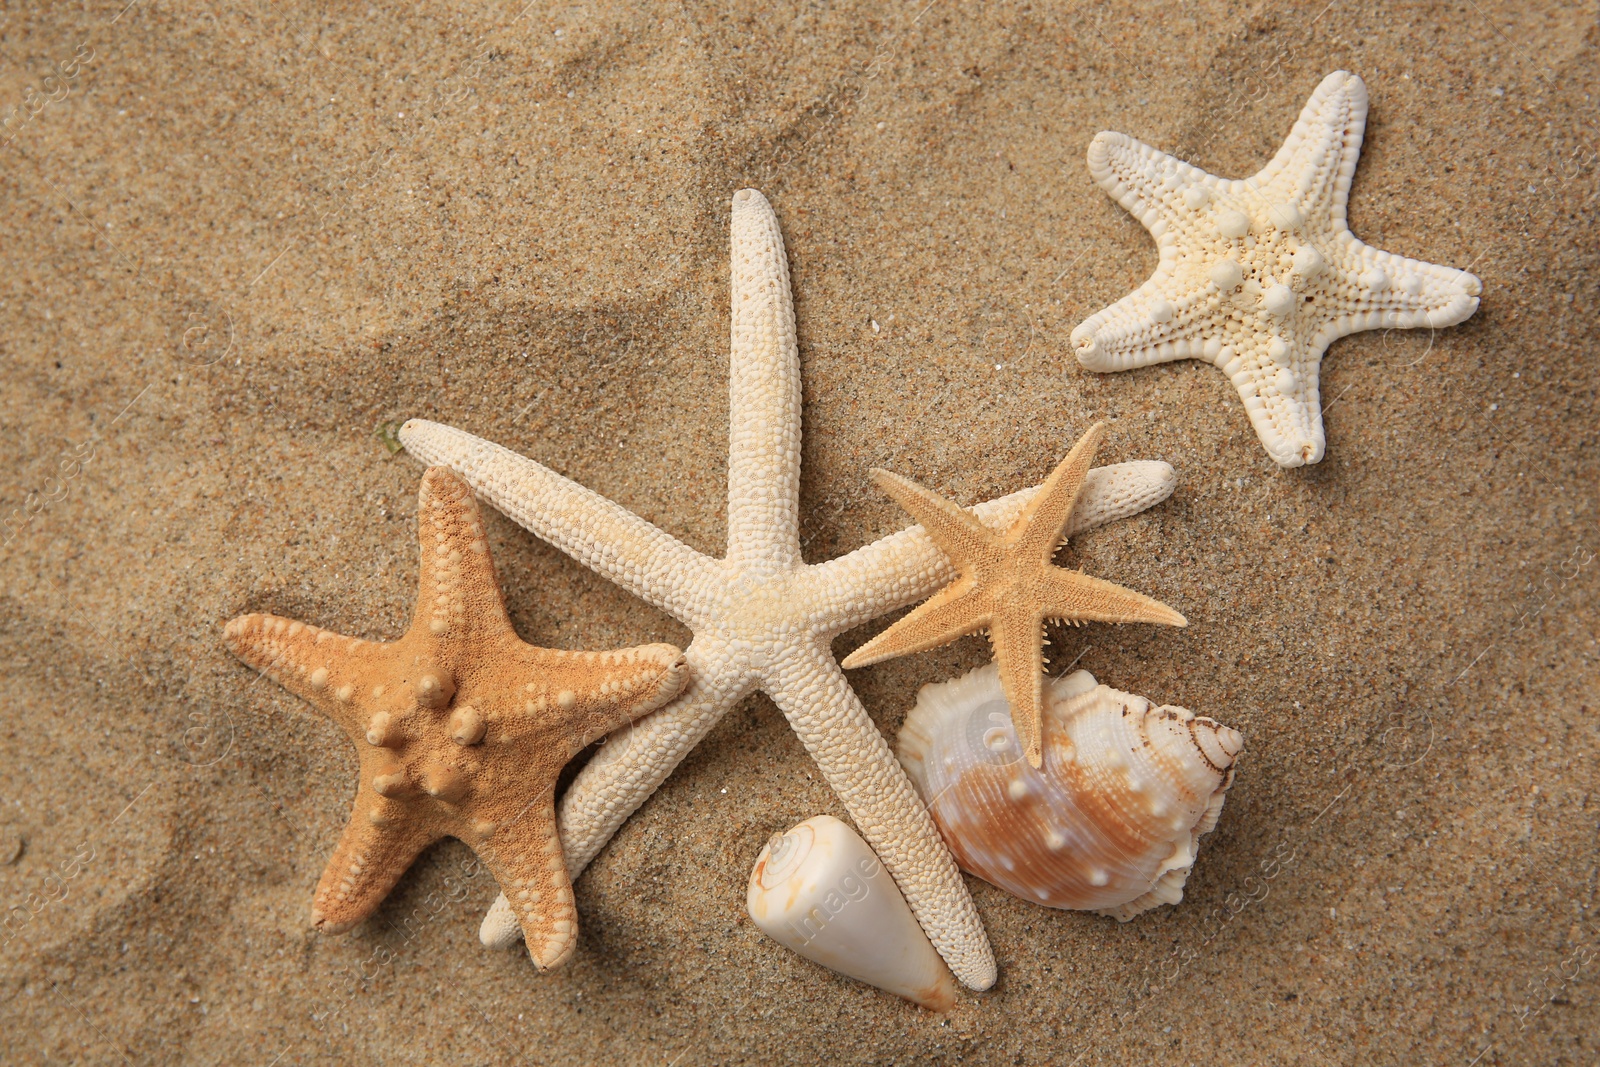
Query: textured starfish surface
[
  {"x": 460, "y": 727},
  {"x": 1260, "y": 275},
  {"x": 1007, "y": 585},
  {"x": 762, "y": 618}
]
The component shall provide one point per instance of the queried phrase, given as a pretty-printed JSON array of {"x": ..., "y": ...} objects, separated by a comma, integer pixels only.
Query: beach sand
[{"x": 239, "y": 240}]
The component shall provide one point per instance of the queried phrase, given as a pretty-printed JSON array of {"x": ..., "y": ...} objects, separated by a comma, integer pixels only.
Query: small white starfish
[
  {"x": 762, "y": 618},
  {"x": 1260, "y": 275}
]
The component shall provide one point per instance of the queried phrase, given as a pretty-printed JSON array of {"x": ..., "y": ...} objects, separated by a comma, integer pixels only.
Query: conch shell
[
  {"x": 820, "y": 890},
  {"x": 1112, "y": 820}
]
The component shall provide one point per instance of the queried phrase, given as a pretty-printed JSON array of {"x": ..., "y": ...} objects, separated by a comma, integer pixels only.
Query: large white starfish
[
  {"x": 761, "y": 617},
  {"x": 1260, "y": 275}
]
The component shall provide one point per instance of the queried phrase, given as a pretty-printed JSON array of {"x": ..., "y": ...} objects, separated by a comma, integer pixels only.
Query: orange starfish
[
  {"x": 1007, "y": 585},
  {"x": 460, "y": 727}
]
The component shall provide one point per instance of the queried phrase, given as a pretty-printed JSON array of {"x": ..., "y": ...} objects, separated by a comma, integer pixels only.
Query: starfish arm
[
  {"x": 586, "y": 695},
  {"x": 500, "y": 927},
  {"x": 854, "y": 758},
  {"x": 1140, "y": 178},
  {"x": 763, "y": 394},
  {"x": 1282, "y": 397},
  {"x": 537, "y": 889},
  {"x": 906, "y": 567},
  {"x": 366, "y": 864},
  {"x": 646, "y": 561},
  {"x": 959, "y": 533},
  {"x": 458, "y": 594},
  {"x": 1382, "y": 290},
  {"x": 319, "y": 666},
  {"x": 1038, "y": 530},
  {"x": 1160, "y": 321},
  {"x": 1156, "y": 323},
  {"x": 1080, "y": 598},
  {"x": 1016, "y": 638},
  {"x": 949, "y": 614},
  {"x": 631, "y": 765},
  {"x": 1317, "y": 161}
]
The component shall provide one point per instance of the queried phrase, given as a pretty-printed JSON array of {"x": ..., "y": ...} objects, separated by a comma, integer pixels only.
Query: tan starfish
[
  {"x": 1008, "y": 586},
  {"x": 460, "y": 727}
]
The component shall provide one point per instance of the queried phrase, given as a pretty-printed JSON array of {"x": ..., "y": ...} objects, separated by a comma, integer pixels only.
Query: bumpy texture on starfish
[
  {"x": 460, "y": 727},
  {"x": 1260, "y": 275},
  {"x": 1008, "y": 586},
  {"x": 761, "y": 617}
]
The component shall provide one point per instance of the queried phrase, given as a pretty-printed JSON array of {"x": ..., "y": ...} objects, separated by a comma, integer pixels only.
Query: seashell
[
  {"x": 820, "y": 890},
  {"x": 1112, "y": 820}
]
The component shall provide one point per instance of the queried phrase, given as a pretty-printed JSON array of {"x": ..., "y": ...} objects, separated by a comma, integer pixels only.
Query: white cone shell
[
  {"x": 1112, "y": 819},
  {"x": 820, "y": 890}
]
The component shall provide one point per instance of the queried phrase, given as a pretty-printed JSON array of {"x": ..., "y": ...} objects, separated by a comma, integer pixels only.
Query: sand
[{"x": 239, "y": 240}]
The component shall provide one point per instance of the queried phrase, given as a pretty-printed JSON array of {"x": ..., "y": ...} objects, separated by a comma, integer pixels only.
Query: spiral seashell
[
  {"x": 820, "y": 890},
  {"x": 1112, "y": 819}
]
